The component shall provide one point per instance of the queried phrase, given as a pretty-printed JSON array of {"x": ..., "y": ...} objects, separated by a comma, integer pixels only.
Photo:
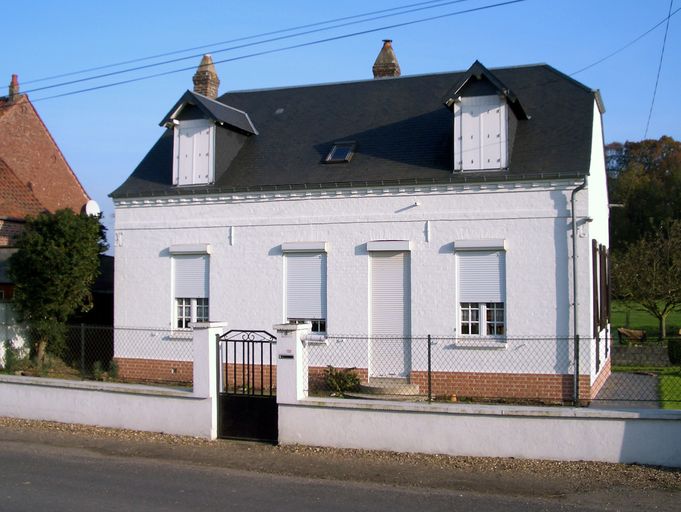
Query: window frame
[{"x": 350, "y": 145}]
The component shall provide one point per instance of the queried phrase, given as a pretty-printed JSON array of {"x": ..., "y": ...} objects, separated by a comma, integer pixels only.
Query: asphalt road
[{"x": 39, "y": 477}]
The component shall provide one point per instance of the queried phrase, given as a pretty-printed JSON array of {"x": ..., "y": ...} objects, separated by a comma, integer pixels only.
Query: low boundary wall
[
  {"x": 486, "y": 431},
  {"x": 107, "y": 405}
]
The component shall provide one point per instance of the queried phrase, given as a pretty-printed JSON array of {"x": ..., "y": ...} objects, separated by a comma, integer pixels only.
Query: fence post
[
  {"x": 430, "y": 383},
  {"x": 82, "y": 348}
]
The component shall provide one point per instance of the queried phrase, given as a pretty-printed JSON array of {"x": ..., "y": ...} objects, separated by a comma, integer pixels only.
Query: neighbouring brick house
[
  {"x": 470, "y": 205},
  {"x": 34, "y": 178}
]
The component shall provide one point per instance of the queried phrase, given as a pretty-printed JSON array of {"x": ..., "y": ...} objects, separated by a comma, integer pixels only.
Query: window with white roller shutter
[
  {"x": 191, "y": 285},
  {"x": 306, "y": 288},
  {"x": 390, "y": 293},
  {"x": 482, "y": 292}
]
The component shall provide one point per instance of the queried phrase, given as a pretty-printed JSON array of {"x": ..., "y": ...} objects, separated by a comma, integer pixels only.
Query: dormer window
[
  {"x": 340, "y": 152},
  {"x": 480, "y": 133},
  {"x": 486, "y": 114},
  {"x": 193, "y": 152}
]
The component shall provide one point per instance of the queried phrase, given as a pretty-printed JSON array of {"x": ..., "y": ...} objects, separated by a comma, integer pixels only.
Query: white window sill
[
  {"x": 316, "y": 339},
  {"x": 474, "y": 342},
  {"x": 181, "y": 335}
]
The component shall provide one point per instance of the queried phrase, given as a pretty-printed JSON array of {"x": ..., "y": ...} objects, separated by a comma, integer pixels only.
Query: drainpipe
[{"x": 575, "y": 390}]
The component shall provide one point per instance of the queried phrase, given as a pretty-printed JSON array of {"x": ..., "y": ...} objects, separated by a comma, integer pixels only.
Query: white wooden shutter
[
  {"x": 185, "y": 155},
  {"x": 480, "y": 133},
  {"x": 482, "y": 276},
  {"x": 191, "y": 276},
  {"x": 306, "y": 286},
  {"x": 202, "y": 155},
  {"x": 390, "y": 293}
]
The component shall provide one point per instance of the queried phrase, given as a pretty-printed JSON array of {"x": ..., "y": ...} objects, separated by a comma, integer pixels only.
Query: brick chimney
[
  {"x": 14, "y": 88},
  {"x": 386, "y": 64},
  {"x": 205, "y": 79}
]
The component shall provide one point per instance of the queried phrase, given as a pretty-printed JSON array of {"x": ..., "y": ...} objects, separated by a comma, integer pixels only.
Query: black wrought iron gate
[{"x": 247, "y": 402}]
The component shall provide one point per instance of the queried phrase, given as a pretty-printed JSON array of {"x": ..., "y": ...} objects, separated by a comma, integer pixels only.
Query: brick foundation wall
[
  {"x": 255, "y": 377},
  {"x": 523, "y": 386},
  {"x": 600, "y": 380},
  {"x": 155, "y": 370}
]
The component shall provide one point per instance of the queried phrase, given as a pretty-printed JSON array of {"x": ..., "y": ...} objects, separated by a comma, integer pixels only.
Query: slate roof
[
  {"x": 402, "y": 129},
  {"x": 213, "y": 110}
]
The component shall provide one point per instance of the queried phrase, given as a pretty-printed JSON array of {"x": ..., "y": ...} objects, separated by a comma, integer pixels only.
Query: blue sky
[{"x": 105, "y": 133}]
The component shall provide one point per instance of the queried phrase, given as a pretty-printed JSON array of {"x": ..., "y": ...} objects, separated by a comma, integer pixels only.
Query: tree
[
  {"x": 649, "y": 272},
  {"x": 645, "y": 176},
  {"x": 56, "y": 263}
]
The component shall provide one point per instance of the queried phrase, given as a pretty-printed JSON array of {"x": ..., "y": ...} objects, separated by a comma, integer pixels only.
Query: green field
[{"x": 634, "y": 316}]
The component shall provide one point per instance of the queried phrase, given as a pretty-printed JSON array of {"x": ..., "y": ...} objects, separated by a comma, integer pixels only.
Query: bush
[
  {"x": 341, "y": 380},
  {"x": 674, "y": 350}
]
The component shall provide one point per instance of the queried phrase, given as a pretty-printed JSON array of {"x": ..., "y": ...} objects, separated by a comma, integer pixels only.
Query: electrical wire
[
  {"x": 245, "y": 45},
  {"x": 659, "y": 68},
  {"x": 285, "y": 48},
  {"x": 620, "y": 49},
  {"x": 229, "y": 41}
]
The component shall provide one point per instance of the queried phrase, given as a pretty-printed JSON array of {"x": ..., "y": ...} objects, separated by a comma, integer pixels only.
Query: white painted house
[{"x": 392, "y": 208}]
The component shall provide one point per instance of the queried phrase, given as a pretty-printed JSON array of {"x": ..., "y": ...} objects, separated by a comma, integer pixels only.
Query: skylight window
[{"x": 340, "y": 152}]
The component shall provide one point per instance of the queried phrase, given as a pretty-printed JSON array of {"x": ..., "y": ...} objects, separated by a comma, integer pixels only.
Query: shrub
[
  {"x": 674, "y": 350},
  {"x": 341, "y": 380}
]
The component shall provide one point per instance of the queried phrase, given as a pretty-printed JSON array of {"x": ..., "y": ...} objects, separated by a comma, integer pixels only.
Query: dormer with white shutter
[
  {"x": 200, "y": 125},
  {"x": 485, "y": 118}
]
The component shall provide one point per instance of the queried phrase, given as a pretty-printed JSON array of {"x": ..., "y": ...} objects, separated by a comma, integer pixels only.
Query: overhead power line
[
  {"x": 238, "y": 47},
  {"x": 229, "y": 41},
  {"x": 633, "y": 41},
  {"x": 659, "y": 68},
  {"x": 285, "y": 48}
]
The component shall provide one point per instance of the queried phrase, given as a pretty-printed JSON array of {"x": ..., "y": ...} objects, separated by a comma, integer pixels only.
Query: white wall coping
[
  {"x": 189, "y": 249},
  {"x": 491, "y": 410},
  {"x": 292, "y": 327},
  {"x": 389, "y": 245},
  {"x": 497, "y": 244},
  {"x": 87, "y": 385},
  {"x": 304, "y": 247}
]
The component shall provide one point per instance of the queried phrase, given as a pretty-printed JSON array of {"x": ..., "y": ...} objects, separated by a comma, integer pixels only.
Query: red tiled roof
[
  {"x": 16, "y": 199},
  {"x": 34, "y": 158}
]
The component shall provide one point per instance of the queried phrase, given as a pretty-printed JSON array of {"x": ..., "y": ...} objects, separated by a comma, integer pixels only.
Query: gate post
[
  {"x": 291, "y": 370},
  {"x": 204, "y": 351}
]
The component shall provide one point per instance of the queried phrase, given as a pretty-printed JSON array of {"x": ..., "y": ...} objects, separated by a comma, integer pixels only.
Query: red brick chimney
[
  {"x": 205, "y": 79},
  {"x": 14, "y": 88},
  {"x": 386, "y": 64}
]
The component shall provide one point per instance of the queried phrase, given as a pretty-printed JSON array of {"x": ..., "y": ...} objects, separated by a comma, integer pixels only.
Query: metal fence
[
  {"x": 91, "y": 352},
  {"x": 513, "y": 370}
]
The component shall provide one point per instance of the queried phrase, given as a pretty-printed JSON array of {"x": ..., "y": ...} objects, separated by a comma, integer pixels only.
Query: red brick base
[{"x": 155, "y": 370}]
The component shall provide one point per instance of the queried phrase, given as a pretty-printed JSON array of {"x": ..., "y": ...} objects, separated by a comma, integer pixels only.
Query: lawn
[{"x": 634, "y": 316}]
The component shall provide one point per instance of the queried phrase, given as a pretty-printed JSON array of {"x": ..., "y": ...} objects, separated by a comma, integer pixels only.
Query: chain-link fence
[
  {"x": 513, "y": 370},
  {"x": 90, "y": 352}
]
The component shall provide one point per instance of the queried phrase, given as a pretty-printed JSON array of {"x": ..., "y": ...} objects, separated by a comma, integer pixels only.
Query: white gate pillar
[
  {"x": 205, "y": 361},
  {"x": 291, "y": 367}
]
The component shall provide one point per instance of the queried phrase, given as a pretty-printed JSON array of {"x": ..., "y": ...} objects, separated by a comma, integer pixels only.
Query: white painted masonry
[{"x": 642, "y": 437}]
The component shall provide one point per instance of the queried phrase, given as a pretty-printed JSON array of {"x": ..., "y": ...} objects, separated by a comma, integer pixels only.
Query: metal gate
[{"x": 247, "y": 402}]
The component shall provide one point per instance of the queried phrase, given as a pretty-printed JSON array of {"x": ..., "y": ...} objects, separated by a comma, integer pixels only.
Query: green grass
[
  {"x": 670, "y": 390},
  {"x": 638, "y": 318},
  {"x": 669, "y": 382}
]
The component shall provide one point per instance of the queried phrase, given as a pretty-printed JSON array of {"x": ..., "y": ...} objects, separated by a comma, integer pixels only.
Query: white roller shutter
[
  {"x": 482, "y": 276},
  {"x": 306, "y": 286},
  {"x": 191, "y": 276},
  {"x": 390, "y": 293}
]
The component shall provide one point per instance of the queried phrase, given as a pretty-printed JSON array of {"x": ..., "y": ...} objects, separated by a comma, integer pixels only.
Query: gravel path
[{"x": 585, "y": 482}]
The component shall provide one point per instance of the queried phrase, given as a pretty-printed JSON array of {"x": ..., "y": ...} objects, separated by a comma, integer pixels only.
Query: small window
[{"x": 341, "y": 152}]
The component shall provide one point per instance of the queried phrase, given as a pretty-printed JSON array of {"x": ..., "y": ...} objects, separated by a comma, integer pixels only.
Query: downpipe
[{"x": 575, "y": 388}]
